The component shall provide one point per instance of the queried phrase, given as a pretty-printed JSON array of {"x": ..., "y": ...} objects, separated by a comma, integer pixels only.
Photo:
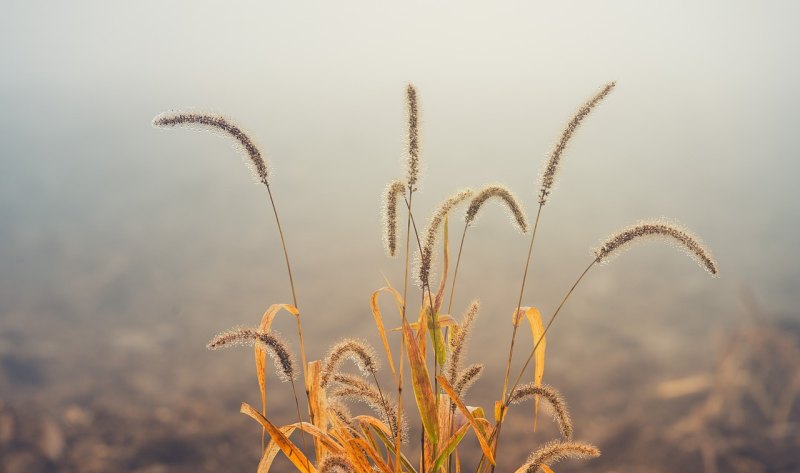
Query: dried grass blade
[
  {"x": 421, "y": 384},
  {"x": 480, "y": 432},
  {"x": 451, "y": 445},
  {"x": 317, "y": 404},
  {"x": 261, "y": 354},
  {"x": 372, "y": 453},
  {"x": 272, "y": 450},
  {"x": 294, "y": 454},
  {"x": 383, "y": 433},
  {"x": 376, "y": 313},
  {"x": 537, "y": 331}
]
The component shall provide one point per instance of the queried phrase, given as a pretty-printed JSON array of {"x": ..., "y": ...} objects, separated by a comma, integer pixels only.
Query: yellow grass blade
[
  {"x": 261, "y": 354},
  {"x": 294, "y": 454},
  {"x": 317, "y": 404},
  {"x": 546, "y": 469},
  {"x": 376, "y": 313},
  {"x": 448, "y": 447},
  {"x": 384, "y": 434},
  {"x": 271, "y": 451},
  {"x": 421, "y": 384},
  {"x": 480, "y": 431},
  {"x": 537, "y": 331},
  {"x": 372, "y": 453}
]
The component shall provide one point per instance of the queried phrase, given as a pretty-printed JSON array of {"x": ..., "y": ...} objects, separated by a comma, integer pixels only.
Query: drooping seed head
[
  {"x": 458, "y": 343},
  {"x": 335, "y": 464},
  {"x": 553, "y": 397},
  {"x": 272, "y": 342},
  {"x": 412, "y": 165},
  {"x": 432, "y": 233},
  {"x": 357, "y": 389},
  {"x": 361, "y": 353},
  {"x": 554, "y": 451},
  {"x": 341, "y": 412},
  {"x": 657, "y": 229},
  {"x": 466, "y": 379},
  {"x": 506, "y": 197},
  {"x": 393, "y": 192},
  {"x": 548, "y": 175},
  {"x": 220, "y": 124}
]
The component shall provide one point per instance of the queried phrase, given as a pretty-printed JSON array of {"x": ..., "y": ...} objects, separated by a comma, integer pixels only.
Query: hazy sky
[{"x": 107, "y": 218}]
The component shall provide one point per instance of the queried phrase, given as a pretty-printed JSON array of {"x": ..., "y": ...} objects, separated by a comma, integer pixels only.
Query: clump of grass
[{"x": 374, "y": 441}]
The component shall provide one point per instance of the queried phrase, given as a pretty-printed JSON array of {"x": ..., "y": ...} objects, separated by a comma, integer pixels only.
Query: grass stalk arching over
[{"x": 374, "y": 441}]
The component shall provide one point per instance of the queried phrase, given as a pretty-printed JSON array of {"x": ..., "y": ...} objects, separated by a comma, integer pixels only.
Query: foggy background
[{"x": 124, "y": 248}]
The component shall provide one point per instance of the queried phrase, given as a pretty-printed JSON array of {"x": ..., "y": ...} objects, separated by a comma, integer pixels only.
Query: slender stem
[
  {"x": 455, "y": 272},
  {"x": 403, "y": 332},
  {"x": 507, "y": 400},
  {"x": 299, "y": 327},
  {"x": 386, "y": 405},
  {"x": 516, "y": 324},
  {"x": 300, "y": 424}
]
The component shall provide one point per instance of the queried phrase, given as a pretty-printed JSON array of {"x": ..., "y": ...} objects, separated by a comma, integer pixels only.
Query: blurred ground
[{"x": 739, "y": 414}]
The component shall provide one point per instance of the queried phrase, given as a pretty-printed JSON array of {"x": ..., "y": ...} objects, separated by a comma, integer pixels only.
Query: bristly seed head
[
  {"x": 554, "y": 451},
  {"x": 548, "y": 175},
  {"x": 465, "y": 380},
  {"x": 219, "y": 123},
  {"x": 335, "y": 464},
  {"x": 458, "y": 343},
  {"x": 658, "y": 228},
  {"x": 393, "y": 192},
  {"x": 362, "y": 354},
  {"x": 432, "y": 232},
  {"x": 506, "y": 196},
  {"x": 357, "y": 389},
  {"x": 553, "y": 397},
  {"x": 270, "y": 341},
  {"x": 412, "y": 167}
]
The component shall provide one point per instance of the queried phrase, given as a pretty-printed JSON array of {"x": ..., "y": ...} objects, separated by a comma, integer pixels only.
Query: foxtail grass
[{"x": 374, "y": 441}]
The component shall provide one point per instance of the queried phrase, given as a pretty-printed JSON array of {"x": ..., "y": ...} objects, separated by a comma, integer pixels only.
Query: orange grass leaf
[
  {"x": 480, "y": 431},
  {"x": 287, "y": 447},
  {"x": 537, "y": 331},
  {"x": 421, "y": 384}
]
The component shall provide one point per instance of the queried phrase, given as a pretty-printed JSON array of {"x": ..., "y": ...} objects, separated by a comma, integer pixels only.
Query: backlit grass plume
[
  {"x": 394, "y": 191},
  {"x": 506, "y": 197},
  {"x": 427, "y": 351},
  {"x": 357, "y": 389},
  {"x": 412, "y": 166},
  {"x": 432, "y": 233},
  {"x": 556, "y": 451},
  {"x": 271, "y": 341},
  {"x": 548, "y": 176},
  {"x": 220, "y": 124},
  {"x": 458, "y": 342},
  {"x": 553, "y": 397},
  {"x": 335, "y": 464},
  {"x": 661, "y": 230},
  {"x": 357, "y": 351}
]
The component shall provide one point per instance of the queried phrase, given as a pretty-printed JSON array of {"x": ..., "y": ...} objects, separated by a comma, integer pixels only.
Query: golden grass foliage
[{"x": 432, "y": 344}]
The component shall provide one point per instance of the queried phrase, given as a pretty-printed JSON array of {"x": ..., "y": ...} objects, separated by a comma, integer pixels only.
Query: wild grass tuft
[{"x": 374, "y": 441}]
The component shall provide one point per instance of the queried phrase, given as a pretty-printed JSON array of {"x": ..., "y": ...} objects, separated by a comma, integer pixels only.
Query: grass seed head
[
  {"x": 432, "y": 233},
  {"x": 505, "y": 196},
  {"x": 272, "y": 342},
  {"x": 393, "y": 192},
  {"x": 412, "y": 166},
  {"x": 554, "y": 451},
  {"x": 335, "y": 464},
  {"x": 223, "y": 125},
  {"x": 528, "y": 391},
  {"x": 548, "y": 175},
  {"x": 361, "y": 353},
  {"x": 657, "y": 229},
  {"x": 466, "y": 379},
  {"x": 458, "y": 343}
]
